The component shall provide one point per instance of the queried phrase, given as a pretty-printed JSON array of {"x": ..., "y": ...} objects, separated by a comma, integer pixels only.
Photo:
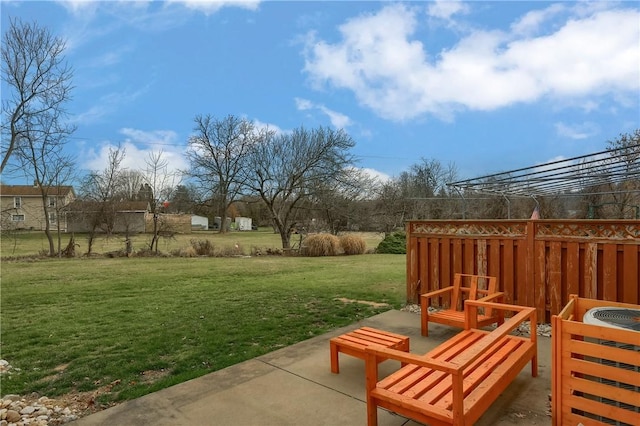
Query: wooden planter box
[{"x": 595, "y": 369}]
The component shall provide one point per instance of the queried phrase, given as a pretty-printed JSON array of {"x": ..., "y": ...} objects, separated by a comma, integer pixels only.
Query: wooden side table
[{"x": 355, "y": 342}]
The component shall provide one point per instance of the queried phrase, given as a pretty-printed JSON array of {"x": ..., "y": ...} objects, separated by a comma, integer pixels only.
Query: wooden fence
[{"x": 539, "y": 263}]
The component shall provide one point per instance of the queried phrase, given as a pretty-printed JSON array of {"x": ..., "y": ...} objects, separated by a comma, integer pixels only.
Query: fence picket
[{"x": 592, "y": 258}]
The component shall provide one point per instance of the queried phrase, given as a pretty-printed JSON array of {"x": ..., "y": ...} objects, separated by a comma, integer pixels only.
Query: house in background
[
  {"x": 21, "y": 207},
  {"x": 119, "y": 217}
]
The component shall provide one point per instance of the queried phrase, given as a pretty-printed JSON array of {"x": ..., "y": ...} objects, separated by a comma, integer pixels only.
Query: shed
[
  {"x": 199, "y": 222},
  {"x": 243, "y": 223}
]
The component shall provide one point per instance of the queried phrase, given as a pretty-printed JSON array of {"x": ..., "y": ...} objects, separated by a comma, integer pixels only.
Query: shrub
[
  {"x": 188, "y": 252},
  {"x": 395, "y": 243},
  {"x": 203, "y": 247},
  {"x": 321, "y": 245},
  {"x": 235, "y": 250},
  {"x": 352, "y": 244},
  {"x": 269, "y": 251}
]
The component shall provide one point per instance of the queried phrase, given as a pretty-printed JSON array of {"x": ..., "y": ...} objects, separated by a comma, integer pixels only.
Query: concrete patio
[{"x": 294, "y": 386}]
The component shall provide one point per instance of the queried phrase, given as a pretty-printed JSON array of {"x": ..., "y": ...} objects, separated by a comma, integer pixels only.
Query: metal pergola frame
[
  {"x": 602, "y": 172},
  {"x": 596, "y": 173}
]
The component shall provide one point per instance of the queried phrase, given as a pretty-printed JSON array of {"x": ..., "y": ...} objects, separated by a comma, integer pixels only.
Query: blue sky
[{"x": 487, "y": 86}]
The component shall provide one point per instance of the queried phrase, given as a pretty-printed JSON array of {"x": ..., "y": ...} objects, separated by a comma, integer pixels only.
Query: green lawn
[{"x": 147, "y": 323}]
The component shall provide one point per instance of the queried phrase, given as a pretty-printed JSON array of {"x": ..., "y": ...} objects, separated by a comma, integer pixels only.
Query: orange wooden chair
[{"x": 465, "y": 287}]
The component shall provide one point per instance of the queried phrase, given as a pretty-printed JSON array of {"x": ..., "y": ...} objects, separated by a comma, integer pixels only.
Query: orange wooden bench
[
  {"x": 355, "y": 342},
  {"x": 456, "y": 382},
  {"x": 464, "y": 287}
]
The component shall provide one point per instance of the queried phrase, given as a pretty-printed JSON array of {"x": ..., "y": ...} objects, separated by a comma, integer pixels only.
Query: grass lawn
[{"x": 142, "y": 324}]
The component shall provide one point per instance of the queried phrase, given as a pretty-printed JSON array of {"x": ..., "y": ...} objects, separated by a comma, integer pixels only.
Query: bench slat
[
  {"x": 482, "y": 397},
  {"x": 404, "y": 405},
  {"x": 483, "y": 378},
  {"x": 481, "y": 369},
  {"x": 456, "y": 345}
]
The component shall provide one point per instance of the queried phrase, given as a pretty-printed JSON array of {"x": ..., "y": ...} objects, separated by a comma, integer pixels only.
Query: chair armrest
[
  {"x": 471, "y": 311},
  {"x": 498, "y": 296},
  {"x": 501, "y": 306},
  {"x": 436, "y": 293},
  {"x": 523, "y": 313},
  {"x": 409, "y": 358}
]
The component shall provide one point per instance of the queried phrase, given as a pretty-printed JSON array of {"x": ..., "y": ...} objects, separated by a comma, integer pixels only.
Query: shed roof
[{"x": 120, "y": 206}]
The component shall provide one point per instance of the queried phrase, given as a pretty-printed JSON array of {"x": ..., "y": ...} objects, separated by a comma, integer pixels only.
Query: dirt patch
[
  {"x": 363, "y": 302},
  {"x": 151, "y": 376},
  {"x": 61, "y": 368}
]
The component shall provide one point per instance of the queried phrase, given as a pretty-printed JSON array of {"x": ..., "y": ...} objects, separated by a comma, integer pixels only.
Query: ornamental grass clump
[
  {"x": 353, "y": 244},
  {"x": 321, "y": 245},
  {"x": 203, "y": 247}
]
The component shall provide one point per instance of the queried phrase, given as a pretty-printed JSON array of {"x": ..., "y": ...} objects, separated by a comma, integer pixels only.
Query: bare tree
[
  {"x": 129, "y": 183},
  {"x": 341, "y": 201},
  {"x": 44, "y": 161},
  {"x": 160, "y": 181},
  {"x": 389, "y": 208},
  {"x": 286, "y": 170},
  {"x": 64, "y": 174},
  {"x": 39, "y": 79},
  {"x": 426, "y": 189},
  {"x": 185, "y": 198},
  {"x": 626, "y": 196},
  {"x": 217, "y": 154},
  {"x": 99, "y": 191}
]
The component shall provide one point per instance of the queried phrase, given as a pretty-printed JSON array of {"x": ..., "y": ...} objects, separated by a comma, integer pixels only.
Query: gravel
[
  {"x": 38, "y": 410},
  {"x": 524, "y": 329}
]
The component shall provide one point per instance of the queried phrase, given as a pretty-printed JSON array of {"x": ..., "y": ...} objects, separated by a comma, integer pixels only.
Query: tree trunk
[
  {"x": 58, "y": 234},
  {"x": 154, "y": 239},
  {"x": 52, "y": 247},
  {"x": 285, "y": 236},
  {"x": 47, "y": 227},
  {"x": 223, "y": 224}
]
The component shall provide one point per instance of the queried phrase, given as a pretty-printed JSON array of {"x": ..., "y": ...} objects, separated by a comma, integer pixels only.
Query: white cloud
[
  {"x": 551, "y": 164},
  {"x": 445, "y": 9},
  {"x": 154, "y": 137},
  {"x": 592, "y": 53},
  {"x": 303, "y": 104},
  {"x": 338, "y": 120},
  {"x": 259, "y": 125},
  {"x": 377, "y": 175},
  {"x": 138, "y": 145},
  {"x": 532, "y": 21},
  {"x": 106, "y": 105},
  {"x": 576, "y": 131},
  {"x": 211, "y": 6},
  {"x": 80, "y": 7},
  {"x": 110, "y": 58}
]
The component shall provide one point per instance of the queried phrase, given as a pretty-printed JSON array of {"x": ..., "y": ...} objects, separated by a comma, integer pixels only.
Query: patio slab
[{"x": 295, "y": 386}]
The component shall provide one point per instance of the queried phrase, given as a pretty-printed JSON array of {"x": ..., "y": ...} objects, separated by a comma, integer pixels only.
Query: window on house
[
  {"x": 52, "y": 217},
  {"x": 17, "y": 202},
  {"x": 17, "y": 217},
  {"x": 52, "y": 201}
]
